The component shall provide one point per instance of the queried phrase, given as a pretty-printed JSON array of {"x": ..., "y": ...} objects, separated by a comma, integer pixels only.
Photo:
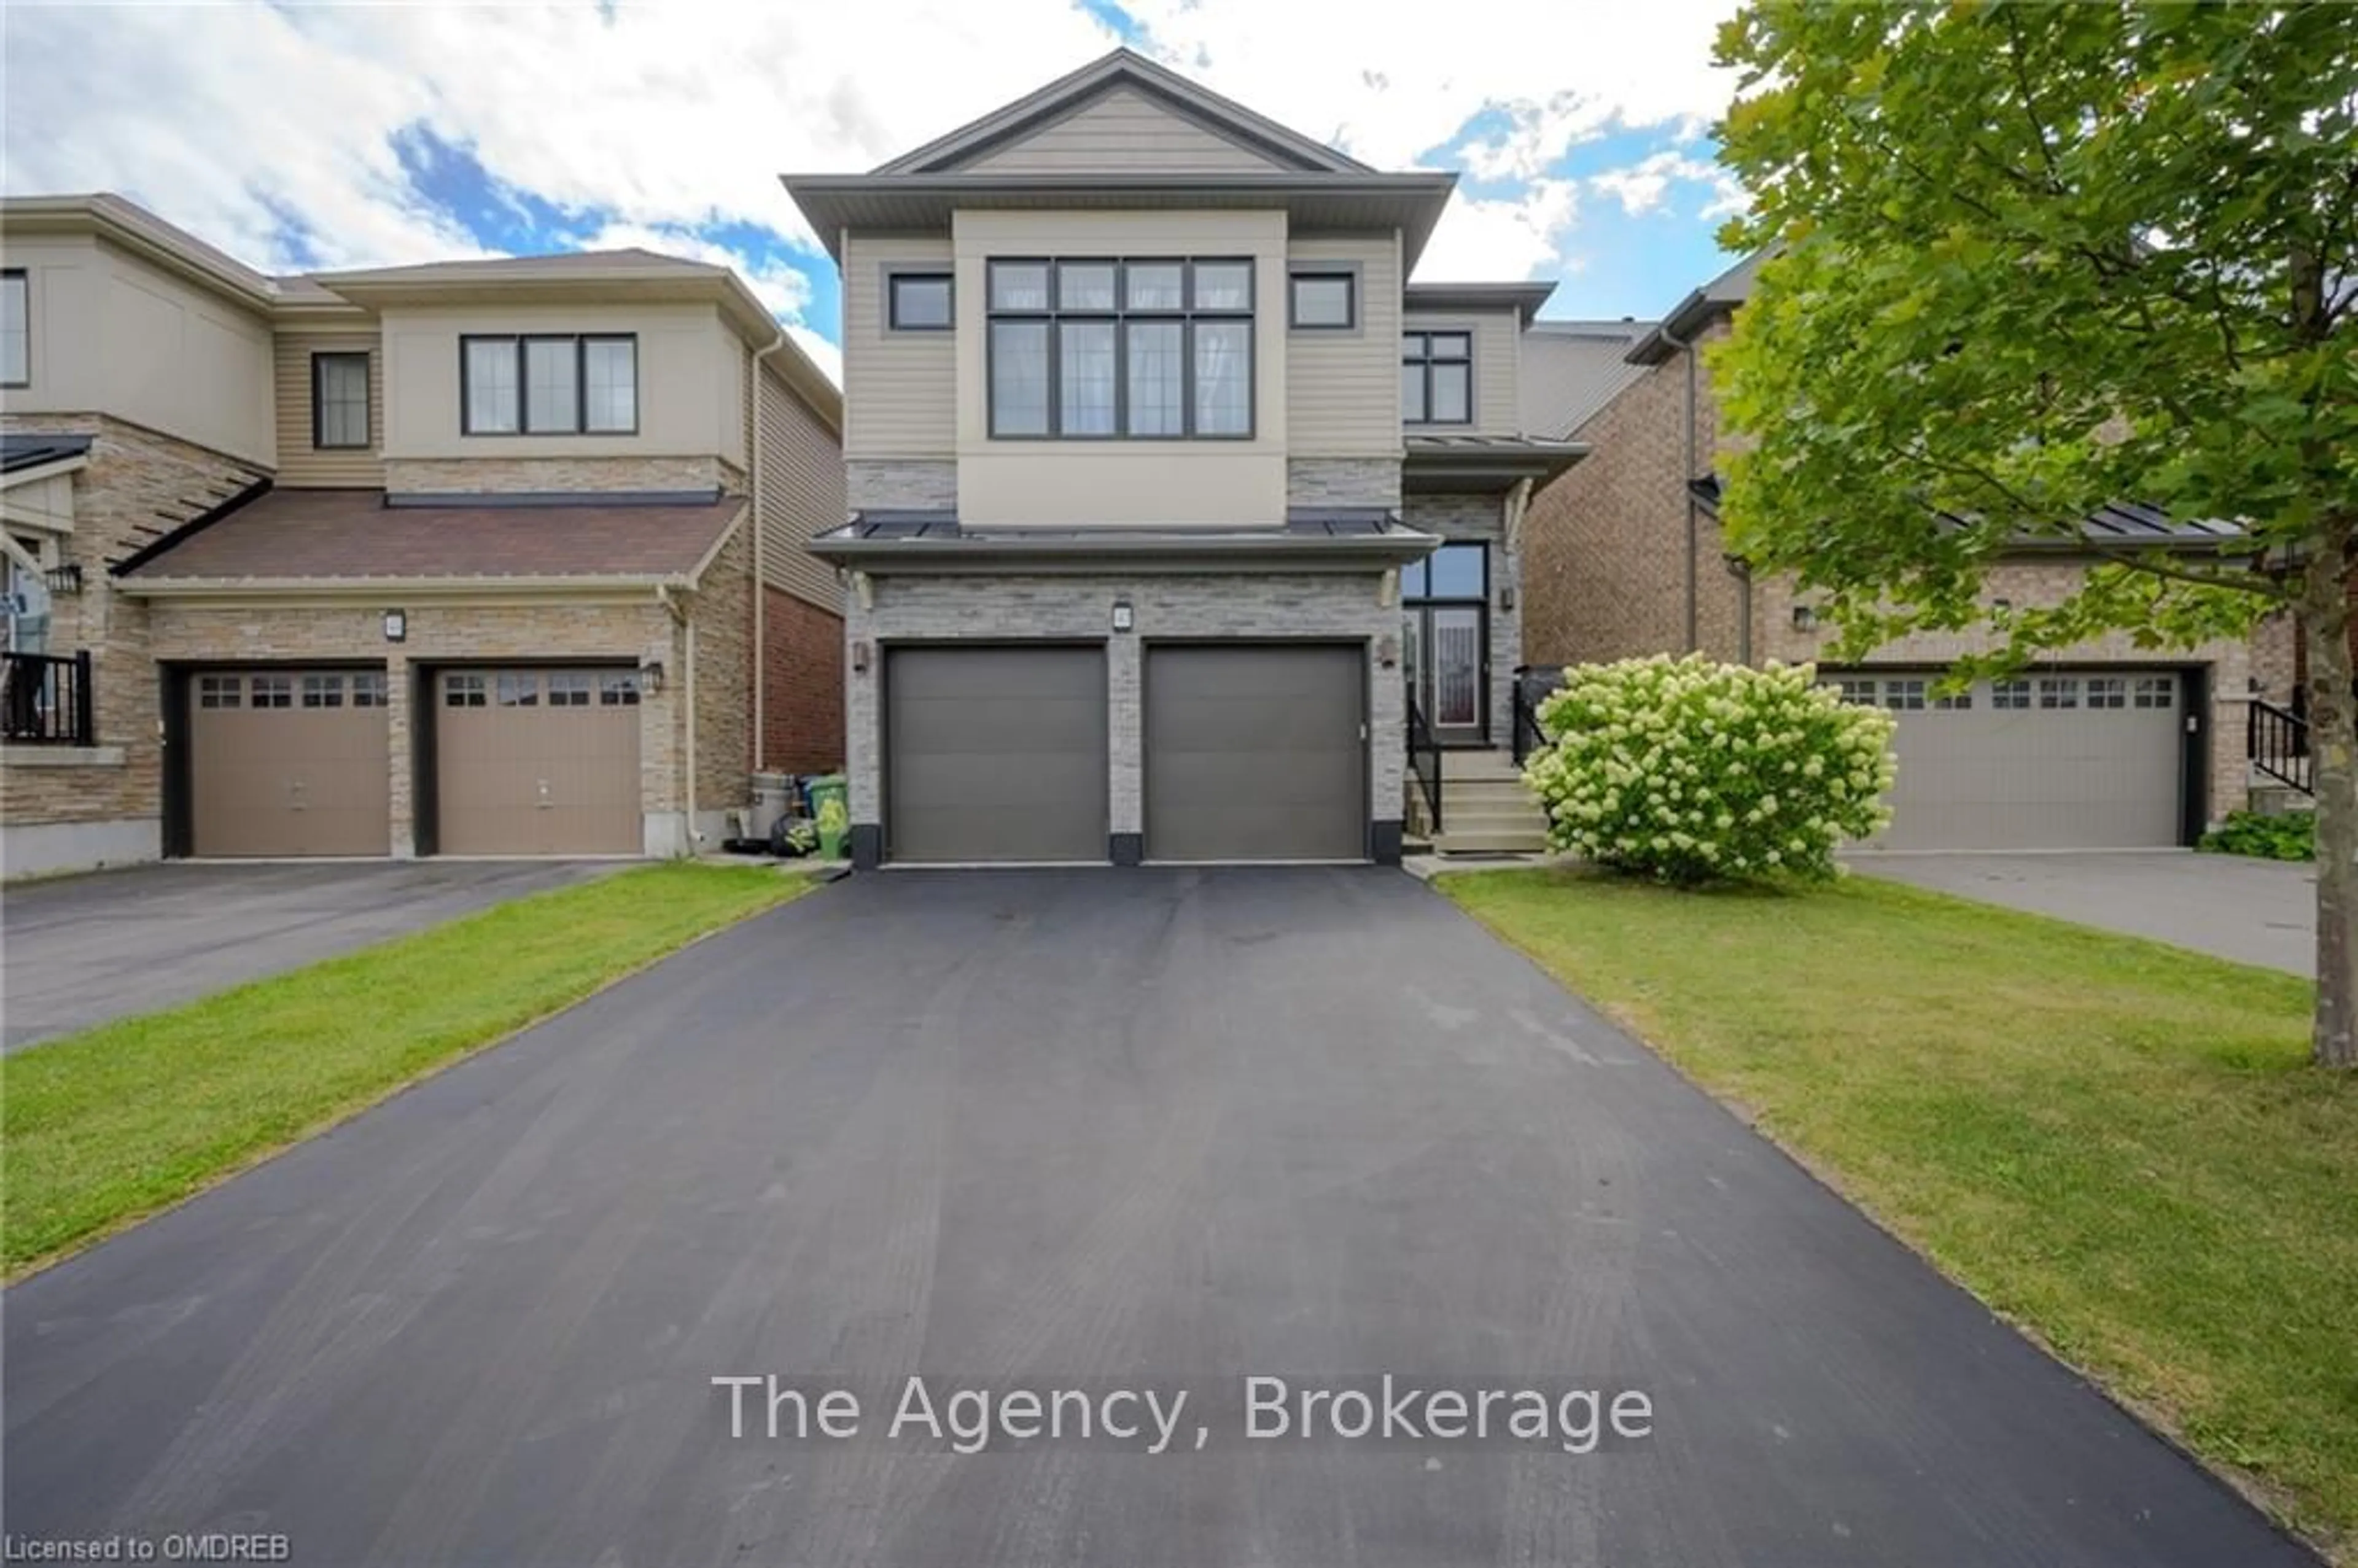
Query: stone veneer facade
[
  {"x": 1346, "y": 607},
  {"x": 500, "y": 476},
  {"x": 901, "y": 484},
  {"x": 1342, "y": 481},
  {"x": 66, "y": 809}
]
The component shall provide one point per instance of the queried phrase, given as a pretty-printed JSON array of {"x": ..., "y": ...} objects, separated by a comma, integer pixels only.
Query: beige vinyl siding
[
  {"x": 1498, "y": 393},
  {"x": 1125, "y": 132},
  {"x": 900, "y": 388},
  {"x": 302, "y": 466},
  {"x": 1342, "y": 391},
  {"x": 802, "y": 494}
]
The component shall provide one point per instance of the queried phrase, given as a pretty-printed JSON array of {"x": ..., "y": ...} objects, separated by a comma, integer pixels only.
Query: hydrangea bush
[{"x": 1688, "y": 770}]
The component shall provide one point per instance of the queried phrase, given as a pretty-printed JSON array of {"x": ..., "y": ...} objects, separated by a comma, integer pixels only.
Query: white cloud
[
  {"x": 677, "y": 117},
  {"x": 1641, "y": 187},
  {"x": 1503, "y": 239}
]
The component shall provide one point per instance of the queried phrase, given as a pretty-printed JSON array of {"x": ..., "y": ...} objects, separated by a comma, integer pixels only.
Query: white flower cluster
[{"x": 1690, "y": 771}]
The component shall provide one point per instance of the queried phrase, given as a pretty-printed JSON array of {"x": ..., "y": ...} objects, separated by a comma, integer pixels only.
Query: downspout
[
  {"x": 688, "y": 705},
  {"x": 1694, "y": 526},
  {"x": 1742, "y": 572},
  {"x": 760, "y": 578}
]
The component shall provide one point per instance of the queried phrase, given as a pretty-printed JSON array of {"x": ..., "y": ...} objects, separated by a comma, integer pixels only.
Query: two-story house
[
  {"x": 1171, "y": 500},
  {"x": 482, "y": 558},
  {"x": 2105, "y": 745}
]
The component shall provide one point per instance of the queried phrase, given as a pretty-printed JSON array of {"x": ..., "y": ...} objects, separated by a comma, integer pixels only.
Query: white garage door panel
[{"x": 2061, "y": 760}]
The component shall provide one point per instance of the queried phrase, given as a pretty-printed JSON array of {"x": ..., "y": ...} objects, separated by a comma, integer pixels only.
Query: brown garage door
[
  {"x": 537, "y": 761},
  {"x": 2085, "y": 759},
  {"x": 995, "y": 754},
  {"x": 1255, "y": 753},
  {"x": 288, "y": 762}
]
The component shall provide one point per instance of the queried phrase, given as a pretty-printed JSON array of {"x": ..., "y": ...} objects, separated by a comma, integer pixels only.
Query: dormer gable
[{"x": 1124, "y": 113}]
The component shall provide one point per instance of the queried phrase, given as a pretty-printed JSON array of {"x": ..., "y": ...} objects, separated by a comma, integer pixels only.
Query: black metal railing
[
  {"x": 1529, "y": 737},
  {"x": 45, "y": 700},
  {"x": 2277, "y": 744},
  {"x": 1424, "y": 760}
]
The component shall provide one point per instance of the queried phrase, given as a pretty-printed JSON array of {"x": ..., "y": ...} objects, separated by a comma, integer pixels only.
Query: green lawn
[
  {"x": 100, "y": 1128},
  {"x": 2117, "y": 1144}
]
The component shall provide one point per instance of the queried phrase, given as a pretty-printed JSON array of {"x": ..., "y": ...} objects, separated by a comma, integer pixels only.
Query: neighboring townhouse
[
  {"x": 486, "y": 557},
  {"x": 2105, "y": 745},
  {"x": 1170, "y": 500}
]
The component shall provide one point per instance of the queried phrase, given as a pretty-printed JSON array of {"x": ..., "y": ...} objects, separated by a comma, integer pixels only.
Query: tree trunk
[{"x": 2333, "y": 763}]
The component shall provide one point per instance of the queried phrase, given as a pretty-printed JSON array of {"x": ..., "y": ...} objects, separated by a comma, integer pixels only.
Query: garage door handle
[{"x": 544, "y": 803}]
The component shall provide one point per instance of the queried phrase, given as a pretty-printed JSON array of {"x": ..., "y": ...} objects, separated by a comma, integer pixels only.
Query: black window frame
[
  {"x": 895, "y": 278},
  {"x": 1426, "y": 359},
  {"x": 1186, "y": 315},
  {"x": 320, "y": 441},
  {"x": 1424, "y": 595},
  {"x": 21, "y": 278},
  {"x": 1348, "y": 277},
  {"x": 525, "y": 426}
]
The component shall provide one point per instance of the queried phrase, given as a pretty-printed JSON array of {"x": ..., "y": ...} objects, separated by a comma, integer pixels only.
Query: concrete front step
[
  {"x": 1489, "y": 841},
  {"x": 1469, "y": 765}
]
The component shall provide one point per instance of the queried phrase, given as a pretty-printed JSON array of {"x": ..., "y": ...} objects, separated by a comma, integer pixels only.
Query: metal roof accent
[
  {"x": 1344, "y": 539},
  {"x": 2115, "y": 522},
  {"x": 1525, "y": 299},
  {"x": 24, "y": 449}
]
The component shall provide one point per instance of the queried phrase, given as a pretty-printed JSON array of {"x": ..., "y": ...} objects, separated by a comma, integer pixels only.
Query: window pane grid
[
  {"x": 1437, "y": 378},
  {"x": 1098, "y": 348},
  {"x": 543, "y": 386},
  {"x": 340, "y": 389}
]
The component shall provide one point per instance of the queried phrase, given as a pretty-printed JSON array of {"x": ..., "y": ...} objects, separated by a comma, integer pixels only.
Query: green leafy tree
[{"x": 2033, "y": 259}]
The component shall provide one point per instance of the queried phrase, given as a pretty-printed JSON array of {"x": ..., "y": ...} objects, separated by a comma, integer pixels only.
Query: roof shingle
[{"x": 344, "y": 534}]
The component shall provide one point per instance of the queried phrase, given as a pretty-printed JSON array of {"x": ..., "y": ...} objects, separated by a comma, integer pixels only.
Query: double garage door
[
  {"x": 2055, "y": 760},
  {"x": 1250, "y": 752},
  {"x": 287, "y": 762}
]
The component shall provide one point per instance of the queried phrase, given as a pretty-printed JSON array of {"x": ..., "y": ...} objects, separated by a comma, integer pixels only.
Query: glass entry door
[{"x": 1445, "y": 608}]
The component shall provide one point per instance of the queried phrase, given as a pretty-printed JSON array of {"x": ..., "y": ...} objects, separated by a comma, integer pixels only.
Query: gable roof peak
[{"x": 1123, "y": 67}]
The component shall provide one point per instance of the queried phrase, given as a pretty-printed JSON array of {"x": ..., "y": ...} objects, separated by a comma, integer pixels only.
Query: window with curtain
[
  {"x": 550, "y": 386},
  {"x": 339, "y": 400},
  {"x": 1094, "y": 348}
]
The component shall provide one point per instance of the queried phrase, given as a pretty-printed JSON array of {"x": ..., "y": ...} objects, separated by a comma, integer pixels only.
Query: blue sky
[{"x": 313, "y": 137}]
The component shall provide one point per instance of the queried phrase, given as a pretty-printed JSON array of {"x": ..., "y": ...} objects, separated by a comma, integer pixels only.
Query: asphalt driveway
[
  {"x": 1093, "y": 1131},
  {"x": 2255, "y": 912},
  {"x": 82, "y": 950}
]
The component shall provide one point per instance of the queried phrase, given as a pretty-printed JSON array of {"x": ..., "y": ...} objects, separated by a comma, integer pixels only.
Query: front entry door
[{"x": 1445, "y": 602}]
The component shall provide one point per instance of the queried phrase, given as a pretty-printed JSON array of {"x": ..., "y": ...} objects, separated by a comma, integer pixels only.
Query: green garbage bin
[{"x": 830, "y": 805}]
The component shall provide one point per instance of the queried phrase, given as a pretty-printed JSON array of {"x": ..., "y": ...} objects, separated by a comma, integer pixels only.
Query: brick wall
[
  {"x": 802, "y": 672},
  {"x": 723, "y": 614},
  {"x": 1601, "y": 577}
]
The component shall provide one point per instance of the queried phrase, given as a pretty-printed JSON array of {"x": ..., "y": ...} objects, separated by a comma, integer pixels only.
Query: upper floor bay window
[
  {"x": 340, "y": 401},
  {"x": 1437, "y": 378},
  {"x": 15, "y": 330},
  {"x": 1085, "y": 349},
  {"x": 543, "y": 386}
]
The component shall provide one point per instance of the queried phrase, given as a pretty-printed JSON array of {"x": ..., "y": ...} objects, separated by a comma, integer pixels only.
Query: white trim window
[{"x": 541, "y": 385}]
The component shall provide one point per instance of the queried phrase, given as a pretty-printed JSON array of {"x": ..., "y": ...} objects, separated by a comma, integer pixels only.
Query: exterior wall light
[
  {"x": 396, "y": 625},
  {"x": 651, "y": 676},
  {"x": 860, "y": 656},
  {"x": 1805, "y": 618},
  {"x": 1123, "y": 619},
  {"x": 1388, "y": 651}
]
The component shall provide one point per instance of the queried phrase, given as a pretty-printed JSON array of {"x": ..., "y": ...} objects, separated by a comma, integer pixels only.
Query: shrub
[
  {"x": 2291, "y": 837},
  {"x": 1687, "y": 770}
]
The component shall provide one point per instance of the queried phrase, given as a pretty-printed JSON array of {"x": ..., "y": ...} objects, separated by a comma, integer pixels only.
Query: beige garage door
[
  {"x": 288, "y": 763},
  {"x": 2056, "y": 760},
  {"x": 537, "y": 761}
]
